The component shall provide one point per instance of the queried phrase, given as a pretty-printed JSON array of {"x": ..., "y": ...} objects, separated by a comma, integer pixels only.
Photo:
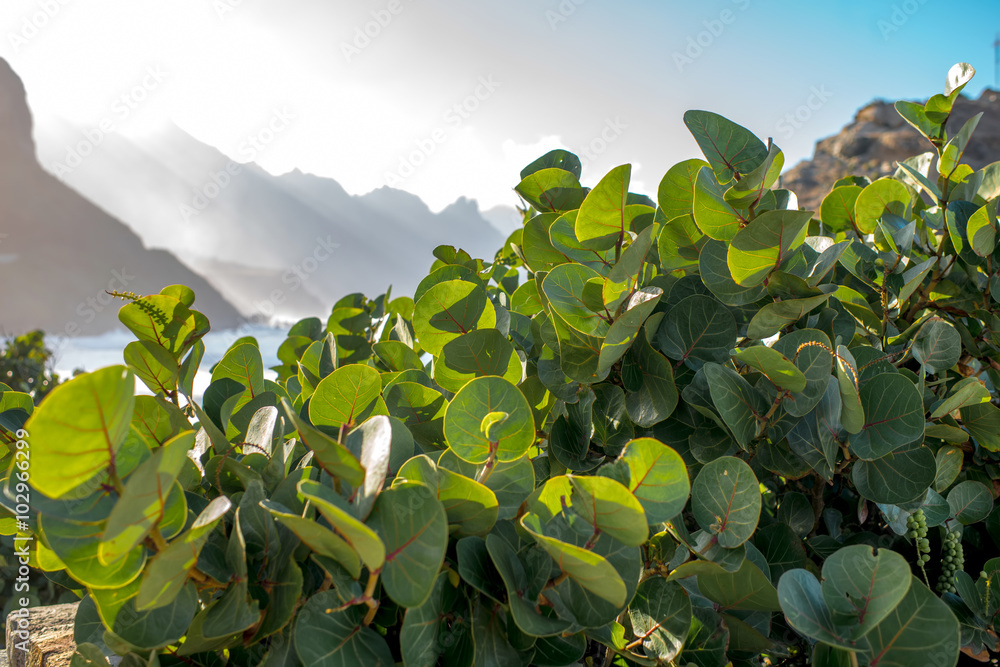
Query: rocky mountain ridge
[
  {"x": 60, "y": 254},
  {"x": 878, "y": 138},
  {"x": 278, "y": 246}
]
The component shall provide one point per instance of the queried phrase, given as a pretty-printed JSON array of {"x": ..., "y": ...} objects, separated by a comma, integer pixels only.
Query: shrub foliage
[{"x": 704, "y": 429}]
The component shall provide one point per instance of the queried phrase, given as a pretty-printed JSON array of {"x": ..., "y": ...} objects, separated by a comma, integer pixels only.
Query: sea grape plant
[{"x": 705, "y": 429}]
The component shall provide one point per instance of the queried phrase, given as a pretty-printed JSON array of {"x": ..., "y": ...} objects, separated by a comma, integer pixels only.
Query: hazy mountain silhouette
[
  {"x": 59, "y": 252},
  {"x": 290, "y": 245}
]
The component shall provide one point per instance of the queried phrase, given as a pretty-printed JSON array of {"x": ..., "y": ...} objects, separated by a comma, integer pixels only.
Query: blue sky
[{"x": 451, "y": 98}]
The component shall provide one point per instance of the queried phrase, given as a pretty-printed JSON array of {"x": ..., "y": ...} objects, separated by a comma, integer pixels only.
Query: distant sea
[{"x": 92, "y": 352}]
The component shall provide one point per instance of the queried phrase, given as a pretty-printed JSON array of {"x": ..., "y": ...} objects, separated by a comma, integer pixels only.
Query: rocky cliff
[
  {"x": 59, "y": 252},
  {"x": 878, "y": 138}
]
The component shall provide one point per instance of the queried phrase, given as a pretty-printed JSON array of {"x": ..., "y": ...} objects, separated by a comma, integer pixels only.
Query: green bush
[
  {"x": 26, "y": 365},
  {"x": 704, "y": 430}
]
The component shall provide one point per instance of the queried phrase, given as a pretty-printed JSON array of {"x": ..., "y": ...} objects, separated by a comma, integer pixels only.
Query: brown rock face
[{"x": 878, "y": 138}]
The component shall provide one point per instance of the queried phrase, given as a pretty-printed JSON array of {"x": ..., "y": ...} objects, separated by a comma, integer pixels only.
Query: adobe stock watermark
[
  {"x": 126, "y": 103},
  {"x": 704, "y": 39},
  {"x": 453, "y": 118},
  {"x": 224, "y": 7},
  {"x": 369, "y": 31},
  {"x": 794, "y": 120},
  {"x": 32, "y": 24},
  {"x": 88, "y": 309},
  {"x": 19, "y": 629},
  {"x": 295, "y": 277},
  {"x": 562, "y": 12},
  {"x": 250, "y": 148},
  {"x": 609, "y": 134},
  {"x": 899, "y": 16}
]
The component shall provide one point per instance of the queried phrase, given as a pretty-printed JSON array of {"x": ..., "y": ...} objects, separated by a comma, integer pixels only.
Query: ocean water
[{"x": 90, "y": 353}]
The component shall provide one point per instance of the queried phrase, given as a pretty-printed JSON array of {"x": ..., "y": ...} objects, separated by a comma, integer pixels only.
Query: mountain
[
  {"x": 281, "y": 247},
  {"x": 878, "y": 138},
  {"x": 59, "y": 253}
]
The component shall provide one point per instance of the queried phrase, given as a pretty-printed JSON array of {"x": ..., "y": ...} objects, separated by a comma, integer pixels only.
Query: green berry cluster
[
  {"x": 952, "y": 560},
  {"x": 916, "y": 530}
]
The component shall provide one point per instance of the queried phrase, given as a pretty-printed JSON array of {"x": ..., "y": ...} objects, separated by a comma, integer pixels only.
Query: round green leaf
[
  {"x": 414, "y": 527},
  {"x": 156, "y": 628},
  {"x": 242, "y": 363},
  {"x": 837, "y": 209},
  {"x": 764, "y": 244},
  {"x": 712, "y": 213},
  {"x": 894, "y": 416},
  {"x": 949, "y": 465},
  {"x": 397, "y": 356},
  {"x": 725, "y": 500},
  {"x": 331, "y": 456},
  {"x": 862, "y": 587},
  {"x": 675, "y": 194},
  {"x": 603, "y": 218},
  {"x": 895, "y": 478},
  {"x": 656, "y": 395},
  {"x": 776, "y": 315},
  {"x": 564, "y": 241},
  {"x": 747, "y": 588},
  {"x": 852, "y": 416},
  {"x": 76, "y": 545},
  {"x": 335, "y": 509},
  {"x": 525, "y": 299},
  {"x": 801, "y": 598},
  {"x": 322, "y": 541},
  {"x": 182, "y": 293},
  {"x": 523, "y": 609},
  {"x": 937, "y": 346},
  {"x": 475, "y": 354},
  {"x": 661, "y": 614},
  {"x": 558, "y": 157},
  {"x": 730, "y": 148},
  {"x": 920, "y": 630},
  {"x": 478, "y": 398},
  {"x": 657, "y": 477},
  {"x": 679, "y": 243},
  {"x": 884, "y": 195},
  {"x": 442, "y": 274},
  {"x": 739, "y": 404},
  {"x": 471, "y": 507},
  {"x": 564, "y": 288},
  {"x": 156, "y": 367},
  {"x": 420, "y": 408},
  {"x": 698, "y": 327},
  {"x": 970, "y": 502},
  {"x": 590, "y": 570},
  {"x": 448, "y": 310},
  {"x": 559, "y": 650},
  {"x": 165, "y": 321},
  {"x": 609, "y": 507},
  {"x": 551, "y": 189},
  {"x": 328, "y": 638},
  {"x": 713, "y": 266},
  {"x": 774, "y": 365},
  {"x": 79, "y": 428},
  {"x": 419, "y": 635},
  {"x": 343, "y": 397},
  {"x": 809, "y": 350}
]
